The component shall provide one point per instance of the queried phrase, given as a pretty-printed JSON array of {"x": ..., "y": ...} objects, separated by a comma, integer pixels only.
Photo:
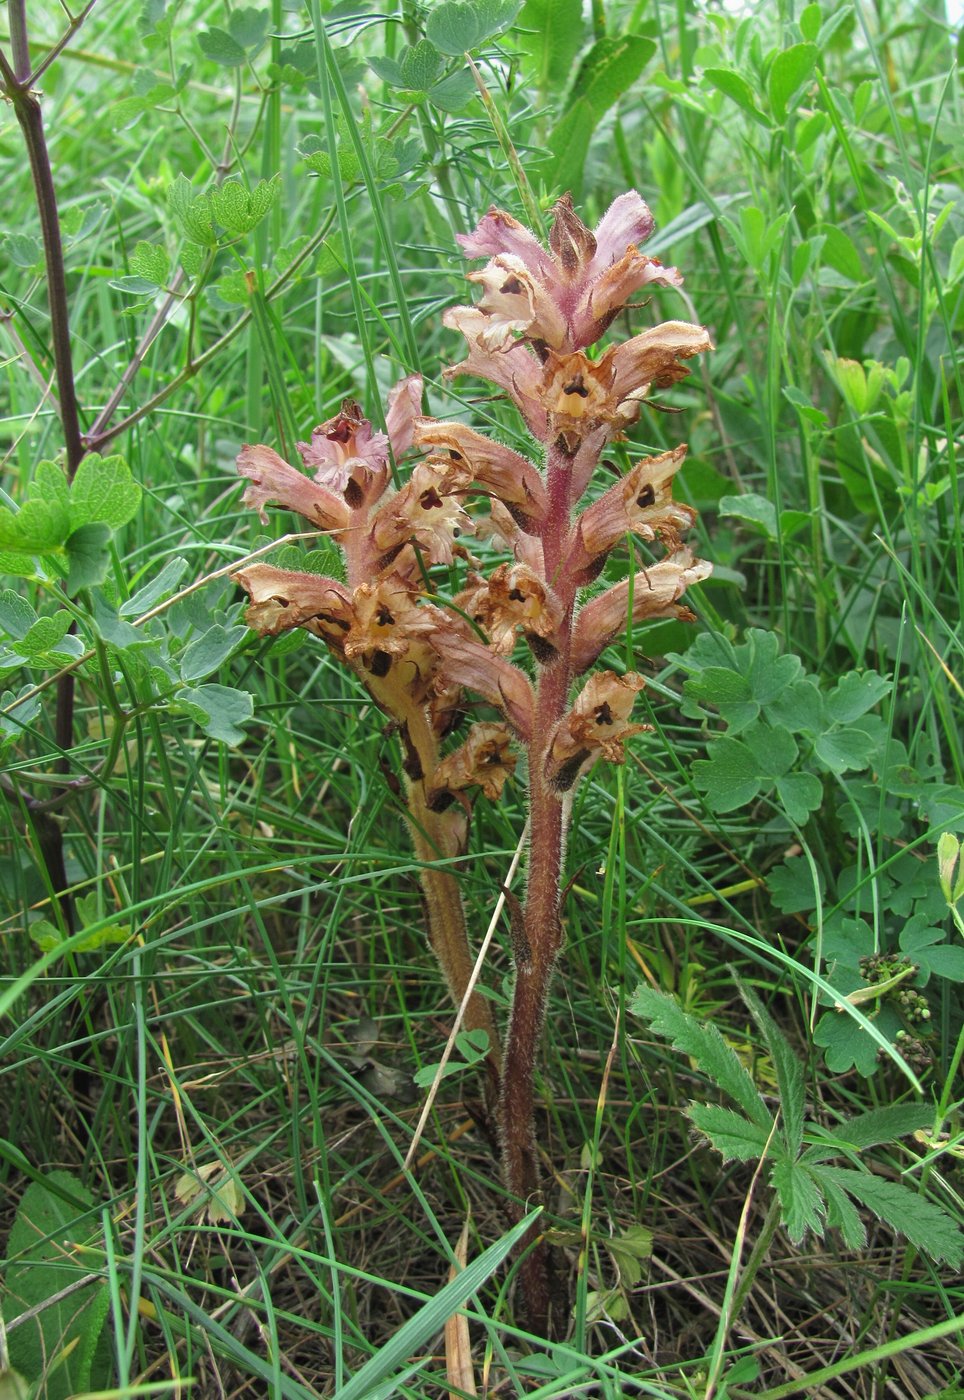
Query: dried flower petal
[
  {"x": 404, "y": 411},
  {"x": 470, "y": 664},
  {"x": 514, "y": 596},
  {"x": 641, "y": 503},
  {"x": 272, "y": 479},
  {"x": 506, "y": 474},
  {"x": 484, "y": 760},
  {"x": 597, "y": 725},
  {"x": 427, "y": 510},
  {"x": 656, "y": 592},
  {"x": 286, "y": 598},
  {"x": 388, "y": 627}
]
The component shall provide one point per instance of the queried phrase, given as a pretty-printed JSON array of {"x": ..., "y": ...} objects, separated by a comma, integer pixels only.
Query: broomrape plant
[{"x": 540, "y": 311}]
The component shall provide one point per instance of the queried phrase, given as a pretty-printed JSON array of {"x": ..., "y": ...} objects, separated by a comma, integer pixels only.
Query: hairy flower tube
[{"x": 521, "y": 634}]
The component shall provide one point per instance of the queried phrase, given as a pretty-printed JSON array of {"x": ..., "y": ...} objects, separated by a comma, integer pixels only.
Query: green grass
[{"x": 273, "y": 995}]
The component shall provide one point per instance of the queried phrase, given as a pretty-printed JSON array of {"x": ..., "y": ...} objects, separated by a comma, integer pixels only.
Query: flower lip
[{"x": 271, "y": 479}]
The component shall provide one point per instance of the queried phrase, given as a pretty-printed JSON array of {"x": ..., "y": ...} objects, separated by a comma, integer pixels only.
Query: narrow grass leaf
[{"x": 431, "y": 1319}]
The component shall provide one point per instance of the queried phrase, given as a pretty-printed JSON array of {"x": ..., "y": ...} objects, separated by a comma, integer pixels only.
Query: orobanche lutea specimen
[{"x": 517, "y": 640}]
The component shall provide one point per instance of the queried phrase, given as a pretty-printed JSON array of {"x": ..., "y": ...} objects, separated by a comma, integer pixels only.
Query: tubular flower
[
  {"x": 427, "y": 510},
  {"x": 272, "y": 479},
  {"x": 656, "y": 593},
  {"x": 350, "y": 457},
  {"x": 596, "y": 726},
  {"x": 286, "y": 598},
  {"x": 566, "y": 298},
  {"x": 485, "y": 760},
  {"x": 642, "y": 503},
  {"x": 386, "y": 629},
  {"x": 513, "y": 597},
  {"x": 506, "y": 475},
  {"x": 466, "y": 662}
]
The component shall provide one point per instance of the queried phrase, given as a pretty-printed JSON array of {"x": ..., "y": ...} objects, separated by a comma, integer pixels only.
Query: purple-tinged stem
[{"x": 541, "y": 937}]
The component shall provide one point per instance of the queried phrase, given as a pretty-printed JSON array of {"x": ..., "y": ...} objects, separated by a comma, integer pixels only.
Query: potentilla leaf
[
  {"x": 703, "y": 1042},
  {"x": 788, "y": 1066},
  {"x": 801, "y": 1199},
  {"x": 876, "y": 1126},
  {"x": 921, "y": 1222},
  {"x": 732, "y": 1134},
  {"x": 842, "y": 1214}
]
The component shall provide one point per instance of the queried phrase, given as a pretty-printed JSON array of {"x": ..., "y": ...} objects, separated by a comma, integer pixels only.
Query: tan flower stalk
[{"x": 540, "y": 312}]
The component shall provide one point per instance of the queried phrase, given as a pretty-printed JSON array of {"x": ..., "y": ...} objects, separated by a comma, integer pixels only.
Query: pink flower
[
  {"x": 567, "y": 297},
  {"x": 350, "y": 457},
  {"x": 272, "y": 479},
  {"x": 514, "y": 597}
]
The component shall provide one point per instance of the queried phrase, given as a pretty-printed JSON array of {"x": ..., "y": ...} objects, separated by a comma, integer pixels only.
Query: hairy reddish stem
[{"x": 537, "y": 950}]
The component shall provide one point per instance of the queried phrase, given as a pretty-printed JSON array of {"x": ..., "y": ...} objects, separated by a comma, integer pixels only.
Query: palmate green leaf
[
  {"x": 151, "y": 262},
  {"x": 729, "y": 777},
  {"x": 703, "y": 1043},
  {"x": 845, "y": 750},
  {"x": 757, "y": 510},
  {"x": 160, "y": 587},
  {"x": 453, "y": 93},
  {"x": 16, "y": 615},
  {"x": 731, "y": 1133},
  {"x": 217, "y": 44},
  {"x": 801, "y": 1200},
  {"x": 207, "y": 653},
  {"x": 193, "y": 212},
  {"x": 799, "y": 794},
  {"x": 788, "y": 1066},
  {"x": 63, "y": 1340},
  {"x": 36, "y": 528},
  {"x": 909, "y": 1213},
  {"x": 15, "y": 717},
  {"x": 845, "y": 1043},
  {"x": 239, "y": 211},
  {"x": 420, "y": 66}
]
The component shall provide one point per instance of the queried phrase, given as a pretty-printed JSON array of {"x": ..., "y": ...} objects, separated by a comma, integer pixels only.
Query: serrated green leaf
[
  {"x": 62, "y": 1341},
  {"x": 789, "y": 71},
  {"x": 88, "y": 556},
  {"x": 420, "y": 66},
  {"x": 908, "y": 1212},
  {"x": 239, "y": 211},
  {"x": 737, "y": 89},
  {"x": 842, "y": 1214},
  {"x": 801, "y": 1200},
  {"x": 729, "y": 777},
  {"x": 703, "y": 1042},
  {"x": 193, "y": 212},
  {"x": 845, "y": 1043},
  {"x": 757, "y": 510},
  {"x": 219, "y": 45},
  {"x": 789, "y": 1070},
  {"x": 207, "y": 653},
  {"x": 151, "y": 261},
  {"x": 103, "y": 492},
  {"x": 220, "y": 710},
  {"x": 879, "y": 1125},
  {"x": 731, "y": 1133}
]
